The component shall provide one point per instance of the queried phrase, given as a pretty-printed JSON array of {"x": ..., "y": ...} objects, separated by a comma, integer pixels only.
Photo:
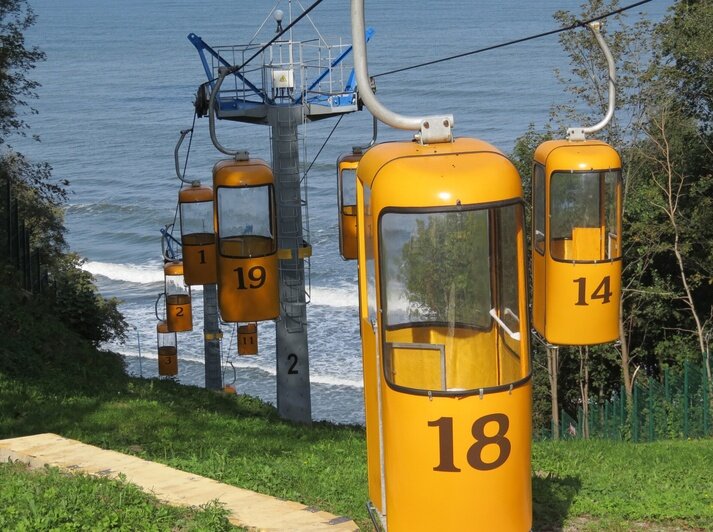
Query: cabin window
[
  {"x": 450, "y": 296},
  {"x": 538, "y": 201},
  {"x": 435, "y": 267},
  {"x": 245, "y": 221},
  {"x": 584, "y": 216}
]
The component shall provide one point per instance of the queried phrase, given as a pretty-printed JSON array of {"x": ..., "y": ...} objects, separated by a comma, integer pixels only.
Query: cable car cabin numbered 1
[
  {"x": 248, "y": 283},
  {"x": 346, "y": 189},
  {"x": 444, "y": 329},
  {"x": 197, "y": 234},
  {"x": 576, "y": 255}
]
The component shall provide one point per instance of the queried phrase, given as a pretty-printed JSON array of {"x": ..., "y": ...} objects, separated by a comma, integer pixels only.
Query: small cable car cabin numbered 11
[
  {"x": 576, "y": 250},
  {"x": 444, "y": 330}
]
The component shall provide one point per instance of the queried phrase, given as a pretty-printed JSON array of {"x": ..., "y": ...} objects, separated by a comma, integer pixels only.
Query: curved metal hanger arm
[
  {"x": 580, "y": 133},
  {"x": 430, "y": 128}
]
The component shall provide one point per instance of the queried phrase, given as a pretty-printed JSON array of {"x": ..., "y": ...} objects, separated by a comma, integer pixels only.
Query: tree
[
  {"x": 38, "y": 196},
  {"x": 16, "y": 61},
  {"x": 445, "y": 268}
]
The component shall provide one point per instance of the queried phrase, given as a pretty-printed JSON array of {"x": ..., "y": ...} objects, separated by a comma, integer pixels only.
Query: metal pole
[
  {"x": 635, "y": 415},
  {"x": 622, "y": 416},
  {"x": 292, "y": 357},
  {"x": 706, "y": 406},
  {"x": 138, "y": 342},
  {"x": 211, "y": 335},
  {"x": 8, "y": 212},
  {"x": 685, "y": 398},
  {"x": 651, "y": 411}
]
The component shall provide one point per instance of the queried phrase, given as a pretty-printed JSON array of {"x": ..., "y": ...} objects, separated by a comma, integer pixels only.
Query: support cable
[
  {"x": 322, "y": 148},
  {"x": 182, "y": 175}
]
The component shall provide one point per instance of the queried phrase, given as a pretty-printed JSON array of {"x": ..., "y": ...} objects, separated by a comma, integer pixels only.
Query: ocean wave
[
  {"x": 343, "y": 296},
  {"x": 132, "y": 273},
  {"x": 244, "y": 363}
]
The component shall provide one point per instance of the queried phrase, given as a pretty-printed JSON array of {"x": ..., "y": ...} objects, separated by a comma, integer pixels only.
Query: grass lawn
[{"x": 51, "y": 500}]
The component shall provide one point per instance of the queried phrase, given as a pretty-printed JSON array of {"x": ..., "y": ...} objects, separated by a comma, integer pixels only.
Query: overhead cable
[{"x": 577, "y": 24}]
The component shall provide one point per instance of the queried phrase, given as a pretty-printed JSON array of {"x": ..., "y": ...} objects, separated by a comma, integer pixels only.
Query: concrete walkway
[{"x": 247, "y": 508}]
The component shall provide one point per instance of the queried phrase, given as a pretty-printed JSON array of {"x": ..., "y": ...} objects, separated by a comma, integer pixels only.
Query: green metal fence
[
  {"x": 15, "y": 240},
  {"x": 676, "y": 407}
]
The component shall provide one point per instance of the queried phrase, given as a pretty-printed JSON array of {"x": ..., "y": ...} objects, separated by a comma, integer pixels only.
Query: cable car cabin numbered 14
[
  {"x": 248, "y": 283},
  {"x": 444, "y": 331},
  {"x": 576, "y": 255}
]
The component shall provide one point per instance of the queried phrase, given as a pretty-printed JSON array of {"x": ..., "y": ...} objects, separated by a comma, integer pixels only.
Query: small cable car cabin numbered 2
[
  {"x": 576, "y": 242},
  {"x": 444, "y": 329}
]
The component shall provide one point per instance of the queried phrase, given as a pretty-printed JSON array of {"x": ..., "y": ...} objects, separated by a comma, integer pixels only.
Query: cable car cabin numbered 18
[
  {"x": 444, "y": 331},
  {"x": 576, "y": 255},
  {"x": 248, "y": 283}
]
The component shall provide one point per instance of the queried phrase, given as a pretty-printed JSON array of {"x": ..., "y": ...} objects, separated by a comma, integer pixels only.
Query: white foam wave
[
  {"x": 132, "y": 273},
  {"x": 345, "y": 296},
  {"x": 315, "y": 378}
]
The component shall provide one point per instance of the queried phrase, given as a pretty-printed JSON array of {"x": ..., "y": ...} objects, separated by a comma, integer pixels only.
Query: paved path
[{"x": 247, "y": 508}]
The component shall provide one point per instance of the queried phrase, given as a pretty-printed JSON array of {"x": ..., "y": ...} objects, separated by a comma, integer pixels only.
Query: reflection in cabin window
[
  {"x": 436, "y": 267},
  {"x": 450, "y": 294}
]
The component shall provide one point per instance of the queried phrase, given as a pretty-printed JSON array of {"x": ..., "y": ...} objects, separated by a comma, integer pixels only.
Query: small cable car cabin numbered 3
[
  {"x": 167, "y": 350},
  {"x": 444, "y": 331},
  {"x": 576, "y": 250},
  {"x": 248, "y": 283}
]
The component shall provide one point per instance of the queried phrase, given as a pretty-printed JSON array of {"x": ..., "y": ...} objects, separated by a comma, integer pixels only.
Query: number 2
[{"x": 292, "y": 358}]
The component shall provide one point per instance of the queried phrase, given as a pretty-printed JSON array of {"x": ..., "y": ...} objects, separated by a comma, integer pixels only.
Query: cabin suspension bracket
[{"x": 435, "y": 129}]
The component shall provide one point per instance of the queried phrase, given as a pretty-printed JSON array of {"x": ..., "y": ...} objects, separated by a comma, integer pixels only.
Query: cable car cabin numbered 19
[
  {"x": 444, "y": 331},
  {"x": 248, "y": 283},
  {"x": 576, "y": 255}
]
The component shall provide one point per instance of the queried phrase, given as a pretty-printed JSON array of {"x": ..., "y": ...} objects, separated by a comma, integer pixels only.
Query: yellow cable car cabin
[
  {"x": 197, "y": 234},
  {"x": 576, "y": 242},
  {"x": 346, "y": 193},
  {"x": 444, "y": 326},
  {"x": 167, "y": 350},
  {"x": 179, "y": 315},
  {"x": 247, "y": 339},
  {"x": 248, "y": 283}
]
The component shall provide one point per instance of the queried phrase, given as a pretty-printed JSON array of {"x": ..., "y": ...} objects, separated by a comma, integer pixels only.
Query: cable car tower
[{"x": 281, "y": 84}]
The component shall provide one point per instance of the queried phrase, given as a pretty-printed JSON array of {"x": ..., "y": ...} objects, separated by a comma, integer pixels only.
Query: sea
[{"x": 118, "y": 85}]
